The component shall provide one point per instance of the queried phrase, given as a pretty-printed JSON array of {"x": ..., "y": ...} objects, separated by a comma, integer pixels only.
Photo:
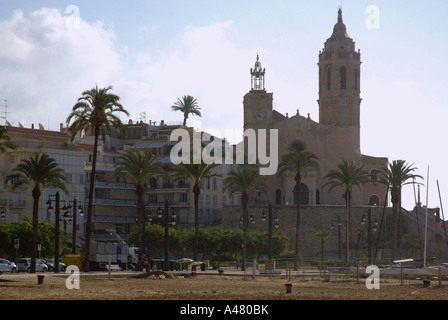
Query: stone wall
[{"x": 324, "y": 218}]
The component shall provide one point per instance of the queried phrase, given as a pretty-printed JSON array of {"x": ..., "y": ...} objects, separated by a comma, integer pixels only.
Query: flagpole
[{"x": 426, "y": 218}]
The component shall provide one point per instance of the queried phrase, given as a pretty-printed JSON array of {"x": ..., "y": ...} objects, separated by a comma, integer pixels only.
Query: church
[{"x": 335, "y": 137}]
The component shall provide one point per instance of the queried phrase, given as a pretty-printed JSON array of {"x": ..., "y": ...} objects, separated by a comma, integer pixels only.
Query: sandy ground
[{"x": 210, "y": 287}]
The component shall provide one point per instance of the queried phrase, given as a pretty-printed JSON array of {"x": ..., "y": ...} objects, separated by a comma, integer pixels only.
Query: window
[
  {"x": 328, "y": 78},
  {"x": 223, "y": 199},
  {"x": 183, "y": 197},
  {"x": 215, "y": 184},
  {"x": 207, "y": 200},
  {"x": 374, "y": 200},
  {"x": 215, "y": 200},
  {"x": 343, "y": 74},
  {"x": 356, "y": 80},
  {"x": 153, "y": 198}
]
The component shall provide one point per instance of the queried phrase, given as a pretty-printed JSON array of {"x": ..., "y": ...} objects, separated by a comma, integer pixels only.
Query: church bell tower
[
  {"x": 339, "y": 79},
  {"x": 257, "y": 102}
]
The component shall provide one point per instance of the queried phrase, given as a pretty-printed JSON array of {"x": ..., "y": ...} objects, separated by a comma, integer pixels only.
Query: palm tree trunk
[
  {"x": 296, "y": 252},
  {"x": 196, "y": 192},
  {"x": 86, "y": 266},
  {"x": 245, "y": 201},
  {"x": 36, "y": 195},
  {"x": 141, "y": 224},
  {"x": 347, "y": 229},
  {"x": 395, "y": 203}
]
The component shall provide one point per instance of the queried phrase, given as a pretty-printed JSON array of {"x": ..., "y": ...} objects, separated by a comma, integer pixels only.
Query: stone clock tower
[{"x": 258, "y": 103}]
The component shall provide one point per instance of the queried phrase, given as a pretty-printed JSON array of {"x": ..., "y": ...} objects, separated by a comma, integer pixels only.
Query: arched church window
[
  {"x": 374, "y": 200},
  {"x": 328, "y": 78},
  {"x": 343, "y": 74},
  {"x": 304, "y": 195}
]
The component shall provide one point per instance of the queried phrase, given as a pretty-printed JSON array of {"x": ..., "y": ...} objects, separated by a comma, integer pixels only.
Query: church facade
[{"x": 335, "y": 137}]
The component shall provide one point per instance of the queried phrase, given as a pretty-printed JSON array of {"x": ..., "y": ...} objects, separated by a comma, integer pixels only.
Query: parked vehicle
[
  {"x": 25, "y": 265},
  {"x": 50, "y": 265},
  {"x": 7, "y": 266}
]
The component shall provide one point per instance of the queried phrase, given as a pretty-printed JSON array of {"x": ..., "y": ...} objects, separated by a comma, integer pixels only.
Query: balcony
[
  {"x": 117, "y": 202},
  {"x": 122, "y": 185},
  {"x": 113, "y": 219}
]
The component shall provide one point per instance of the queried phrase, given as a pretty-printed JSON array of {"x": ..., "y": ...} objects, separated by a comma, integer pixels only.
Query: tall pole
[
  {"x": 369, "y": 235},
  {"x": 74, "y": 226},
  {"x": 56, "y": 234},
  {"x": 339, "y": 237},
  {"x": 426, "y": 219},
  {"x": 166, "y": 236},
  {"x": 270, "y": 234}
]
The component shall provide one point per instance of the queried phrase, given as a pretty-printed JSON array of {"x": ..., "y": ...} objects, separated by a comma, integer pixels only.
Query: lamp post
[
  {"x": 3, "y": 215},
  {"x": 276, "y": 225},
  {"x": 75, "y": 210},
  {"x": 163, "y": 215},
  {"x": 56, "y": 229},
  {"x": 369, "y": 232}
]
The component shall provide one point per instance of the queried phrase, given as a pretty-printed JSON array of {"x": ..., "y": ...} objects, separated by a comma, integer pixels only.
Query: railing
[
  {"x": 113, "y": 219},
  {"x": 17, "y": 203},
  {"x": 115, "y": 201},
  {"x": 124, "y": 185}
]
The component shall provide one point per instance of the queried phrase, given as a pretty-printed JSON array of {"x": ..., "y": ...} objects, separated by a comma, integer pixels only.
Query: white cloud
[
  {"x": 204, "y": 64},
  {"x": 46, "y": 65}
]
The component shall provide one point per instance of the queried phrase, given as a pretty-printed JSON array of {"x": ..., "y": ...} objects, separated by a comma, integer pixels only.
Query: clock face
[{"x": 259, "y": 116}]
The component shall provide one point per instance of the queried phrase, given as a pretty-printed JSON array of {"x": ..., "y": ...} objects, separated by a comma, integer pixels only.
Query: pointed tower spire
[{"x": 340, "y": 15}]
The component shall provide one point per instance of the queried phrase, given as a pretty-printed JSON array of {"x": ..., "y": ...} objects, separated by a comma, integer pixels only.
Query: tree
[
  {"x": 139, "y": 167},
  {"x": 244, "y": 179},
  {"x": 38, "y": 171},
  {"x": 5, "y": 140},
  {"x": 347, "y": 176},
  {"x": 298, "y": 162},
  {"x": 23, "y": 230},
  {"x": 187, "y": 105},
  {"x": 196, "y": 173},
  {"x": 397, "y": 174},
  {"x": 95, "y": 112}
]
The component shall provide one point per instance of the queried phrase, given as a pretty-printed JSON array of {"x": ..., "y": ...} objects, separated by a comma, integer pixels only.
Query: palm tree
[
  {"x": 139, "y": 167},
  {"x": 5, "y": 140},
  {"x": 298, "y": 162},
  {"x": 244, "y": 179},
  {"x": 37, "y": 171},
  {"x": 396, "y": 175},
  {"x": 196, "y": 173},
  {"x": 187, "y": 105},
  {"x": 95, "y": 112},
  {"x": 347, "y": 175}
]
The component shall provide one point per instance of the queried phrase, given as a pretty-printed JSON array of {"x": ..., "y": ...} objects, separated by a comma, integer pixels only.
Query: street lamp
[
  {"x": 56, "y": 228},
  {"x": 75, "y": 210},
  {"x": 3, "y": 214},
  {"x": 368, "y": 219},
  {"x": 276, "y": 226},
  {"x": 167, "y": 220}
]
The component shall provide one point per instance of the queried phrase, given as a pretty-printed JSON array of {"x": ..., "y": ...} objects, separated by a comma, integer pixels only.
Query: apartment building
[
  {"x": 115, "y": 202},
  {"x": 57, "y": 145}
]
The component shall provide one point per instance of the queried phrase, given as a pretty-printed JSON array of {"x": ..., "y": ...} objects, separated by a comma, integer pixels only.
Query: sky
[{"x": 152, "y": 52}]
